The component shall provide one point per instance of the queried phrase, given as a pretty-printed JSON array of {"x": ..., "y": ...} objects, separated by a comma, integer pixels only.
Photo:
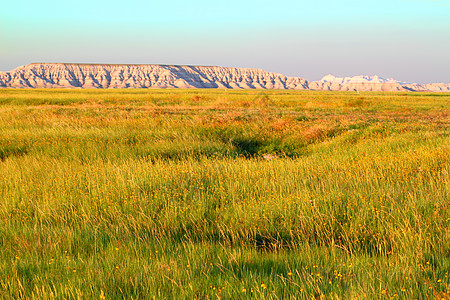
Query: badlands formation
[
  {"x": 373, "y": 83},
  {"x": 63, "y": 75},
  {"x": 145, "y": 76}
]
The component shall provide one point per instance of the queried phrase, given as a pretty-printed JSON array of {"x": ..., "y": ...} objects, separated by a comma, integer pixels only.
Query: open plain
[{"x": 232, "y": 194}]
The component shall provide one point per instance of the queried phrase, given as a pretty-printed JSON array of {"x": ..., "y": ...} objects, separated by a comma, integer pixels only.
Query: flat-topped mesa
[
  {"x": 74, "y": 75},
  {"x": 68, "y": 75}
]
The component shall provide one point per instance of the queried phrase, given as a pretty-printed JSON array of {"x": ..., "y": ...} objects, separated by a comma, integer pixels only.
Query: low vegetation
[{"x": 207, "y": 194}]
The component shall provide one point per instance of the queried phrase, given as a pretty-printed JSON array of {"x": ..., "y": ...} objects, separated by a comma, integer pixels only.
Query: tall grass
[{"x": 205, "y": 194}]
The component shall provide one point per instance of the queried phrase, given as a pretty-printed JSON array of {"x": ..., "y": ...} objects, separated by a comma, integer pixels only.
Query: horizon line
[{"x": 210, "y": 66}]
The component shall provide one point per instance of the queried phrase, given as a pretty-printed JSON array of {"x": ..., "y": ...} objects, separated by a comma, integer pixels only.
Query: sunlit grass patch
[{"x": 202, "y": 194}]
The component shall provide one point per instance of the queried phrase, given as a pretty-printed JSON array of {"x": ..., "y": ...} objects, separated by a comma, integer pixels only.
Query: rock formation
[
  {"x": 357, "y": 79},
  {"x": 62, "y": 75},
  {"x": 373, "y": 83}
]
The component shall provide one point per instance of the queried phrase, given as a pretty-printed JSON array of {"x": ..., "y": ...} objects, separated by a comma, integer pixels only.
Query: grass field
[{"x": 207, "y": 194}]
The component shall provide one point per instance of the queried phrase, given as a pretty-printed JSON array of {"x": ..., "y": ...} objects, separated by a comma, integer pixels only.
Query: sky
[{"x": 408, "y": 40}]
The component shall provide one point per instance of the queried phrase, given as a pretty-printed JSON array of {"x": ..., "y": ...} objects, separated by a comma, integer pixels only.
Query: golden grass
[{"x": 201, "y": 194}]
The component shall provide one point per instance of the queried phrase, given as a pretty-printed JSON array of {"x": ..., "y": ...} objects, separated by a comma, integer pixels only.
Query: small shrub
[
  {"x": 314, "y": 133},
  {"x": 196, "y": 98},
  {"x": 7, "y": 151},
  {"x": 302, "y": 118},
  {"x": 262, "y": 100},
  {"x": 356, "y": 102}
]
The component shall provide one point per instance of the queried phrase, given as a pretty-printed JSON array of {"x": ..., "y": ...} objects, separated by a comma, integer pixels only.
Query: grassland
[{"x": 206, "y": 194}]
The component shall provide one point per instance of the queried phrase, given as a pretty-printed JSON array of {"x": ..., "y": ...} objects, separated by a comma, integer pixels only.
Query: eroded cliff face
[
  {"x": 373, "y": 83},
  {"x": 61, "y": 75},
  {"x": 144, "y": 76},
  {"x": 362, "y": 86}
]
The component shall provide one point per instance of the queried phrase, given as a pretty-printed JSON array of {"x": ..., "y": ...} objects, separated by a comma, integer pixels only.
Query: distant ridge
[
  {"x": 92, "y": 75},
  {"x": 104, "y": 64},
  {"x": 359, "y": 79},
  {"x": 373, "y": 83},
  {"x": 66, "y": 75}
]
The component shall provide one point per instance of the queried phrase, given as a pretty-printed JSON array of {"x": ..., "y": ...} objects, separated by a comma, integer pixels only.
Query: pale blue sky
[{"x": 405, "y": 39}]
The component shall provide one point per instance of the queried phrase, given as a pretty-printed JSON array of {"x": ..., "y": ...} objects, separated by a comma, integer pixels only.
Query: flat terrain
[{"x": 206, "y": 194}]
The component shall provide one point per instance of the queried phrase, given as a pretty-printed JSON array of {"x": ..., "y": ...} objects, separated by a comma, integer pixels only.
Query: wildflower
[
  {"x": 384, "y": 291},
  {"x": 290, "y": 274},
  {"x": 102, "y": 295},
  {"x": 244, "y": 290},
  {"x": 263, "y": 285},
  {"x": 403, "y": 289}
]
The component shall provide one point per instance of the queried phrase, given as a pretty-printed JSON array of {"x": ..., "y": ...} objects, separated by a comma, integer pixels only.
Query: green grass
[{"x": 206, "y": 194}]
